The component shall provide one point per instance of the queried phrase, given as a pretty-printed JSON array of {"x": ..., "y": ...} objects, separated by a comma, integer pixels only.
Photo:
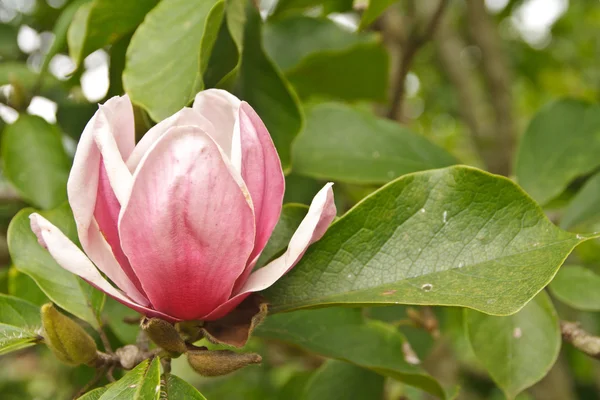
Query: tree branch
[
  {"x": 580, "y": 339},
  {"x": 498, "y": 81},
  {"x": 411, "y": 45},
  {"x": 471, "y": 106}
]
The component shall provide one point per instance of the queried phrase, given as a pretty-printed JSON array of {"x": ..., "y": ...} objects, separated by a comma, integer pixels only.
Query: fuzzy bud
[
  {"x": 220, "y": 362},
  {"x": 69, "y": 342},
  {"x": 164, "y": 335}
]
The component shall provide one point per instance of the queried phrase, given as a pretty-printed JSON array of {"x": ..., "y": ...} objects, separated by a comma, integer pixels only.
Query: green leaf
[
  {"x": 456, "y": 236},
  {"x": 346, "y": 144},
  {"x": 320, "y": 58},
  {"x": 94, "y": 394},
  {"x": 291, "y": 39},
  {"x": 164, "y": 67},
  {"x": 328, "y": 6},
  {"x": 585, "y": 205},
  {"x": 19, "y": 324},
  {"x": 291, "y": 216},
  {"x": 176, "y": 388},
  {"x": 343, "y": 334},
  {"x": 340, "y": 380},
  {"x": 62, "y": 287},
  {"x": 374, "y": 9},
  {"x": 518, "y": 350},
  {"x": 360, "y": 73},
  {"x": 60, "y": 30},
  {"x": 9, "y": 48},
  {"x": 263, "y": 86},
  {"x": 578, "y": 287},
  {"x": 35, "y": 161},
  {"x": 19, "y": 313},
  {"x": 141, "y": 383},
  {"x": 13, "y": 339},
  {"x": 103, "y": 22},
  {"x": 548, "y": 159},
  {"x": 22, "y": 286}
]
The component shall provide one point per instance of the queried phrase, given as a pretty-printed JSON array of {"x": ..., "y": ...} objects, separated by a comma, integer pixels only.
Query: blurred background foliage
[{"x": 353, "y": 91}]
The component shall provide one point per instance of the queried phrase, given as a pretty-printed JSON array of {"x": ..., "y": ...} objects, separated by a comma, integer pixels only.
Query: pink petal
[
  {"x": 320, "y": 215},
  {"x": 68, "y": 255},
  {"x": 261, "y": 170},
  {"x": 112, "y": 127},
  {"x": 188, "y": 227},
  {"x": 221, "y": 108},
  {"x": 186, "y": 116}
]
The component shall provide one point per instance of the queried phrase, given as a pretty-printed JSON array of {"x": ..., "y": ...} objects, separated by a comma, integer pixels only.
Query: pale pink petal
[
  {"x": 320, "y": 215},
  {"x": 188, "y": 227},
  {"x": 261, "y": 170},
  {"x": 114, "y": 119},
  {"x": 68, "y": 256},
  {"x": 186, "y": 116},
  {"x": 221, "y": 108}
]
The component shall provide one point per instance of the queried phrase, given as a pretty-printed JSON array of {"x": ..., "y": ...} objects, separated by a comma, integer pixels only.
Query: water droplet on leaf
[{"x": 427, "y": 287}]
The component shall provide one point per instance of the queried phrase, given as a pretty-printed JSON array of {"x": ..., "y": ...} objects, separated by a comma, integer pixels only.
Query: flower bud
[
  {"x": 220, "y": 362},
  {"x": 164, "y": 335},
  {"x": 69, "y": 342}
]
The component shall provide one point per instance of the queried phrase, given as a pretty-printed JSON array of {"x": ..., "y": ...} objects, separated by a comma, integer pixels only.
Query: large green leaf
[
  {"x": 346, "y": 144},
  {"x": 22, "y": 286},
  {"x": 263, "y": 86},
  {"x": 19, "y": 313},
  {"x": 289, "y": 40},
  {"x": 455, "y": 236},
  {"x": 103, "y": 22},
  {"x": 62, "y": 287},
  {"x": 340, "y": 380},
  {"x": 164, "y": 67},
  {"x": 328, "y": 6},
  {"x": 578, "y": 287},
  {"x": 561, "y": 143},
  {"x": 175, "y": 388},
  {"x": 585, "y": 206},
  {"x": 141, "y": 383},
  {"x": 35, "y": 161},
  {"x": 360, "y": 73},
  {"x": 320, "y": 58},
  {"x": 291, "y": 216},
  {"x": 343, "y": 333},
  {"x": 517, "y": 350},
  {"x": 19, "y": 324}
]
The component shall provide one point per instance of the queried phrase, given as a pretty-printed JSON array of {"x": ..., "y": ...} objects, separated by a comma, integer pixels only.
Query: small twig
[
  {"x": 166, "y": 364},
  {"x": 580, "y": 339},
  {"x": 424, "y": 318},
  {"x": 413, "y": 43},
  {"x": 132, "y": 320},
  {"x": 104, "y": 338},
  {"x": 142, "y": 341}
]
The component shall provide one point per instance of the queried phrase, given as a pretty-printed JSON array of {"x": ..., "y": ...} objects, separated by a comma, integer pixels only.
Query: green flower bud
[
  {"x": 219, "y": 362},
  {"x": 69, "y": 342},
  {"x": 164, "y": 335}
]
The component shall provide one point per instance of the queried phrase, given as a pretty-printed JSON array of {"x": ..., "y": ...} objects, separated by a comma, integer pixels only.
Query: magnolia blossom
[{"x": 178, "y": 221}]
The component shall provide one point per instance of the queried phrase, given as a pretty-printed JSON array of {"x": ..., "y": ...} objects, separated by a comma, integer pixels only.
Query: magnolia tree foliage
[{"x": 299, "y": 199}]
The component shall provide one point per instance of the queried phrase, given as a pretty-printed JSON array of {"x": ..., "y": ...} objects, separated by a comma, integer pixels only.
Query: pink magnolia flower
[{"x": 178, "y": 221}]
